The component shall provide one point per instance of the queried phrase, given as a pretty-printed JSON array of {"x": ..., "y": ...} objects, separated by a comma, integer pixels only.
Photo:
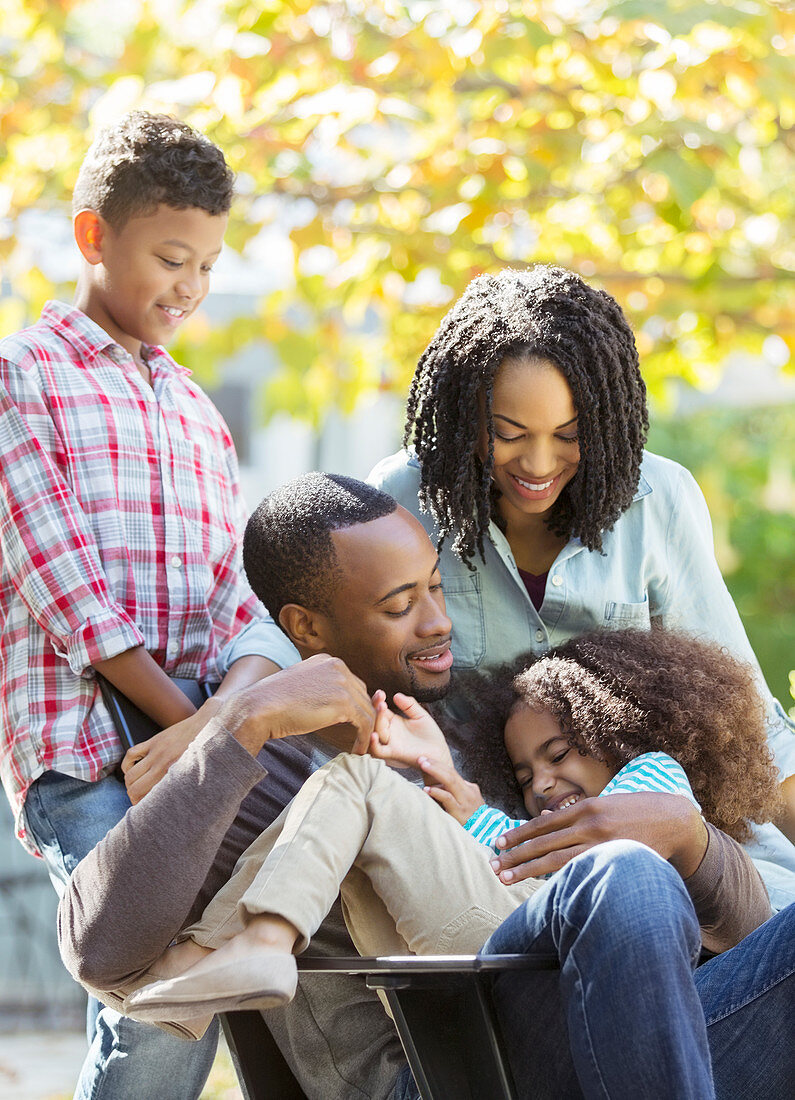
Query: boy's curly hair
[
  {"x": 545, "y": 313},
  {"x": 625, "y": 692},
  {"x": 144, "y": 160}
]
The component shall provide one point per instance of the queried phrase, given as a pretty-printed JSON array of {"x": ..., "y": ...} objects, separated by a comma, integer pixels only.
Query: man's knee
[
  {"x": 619, "y": 869},
  {"x": 624, "y": 861}
]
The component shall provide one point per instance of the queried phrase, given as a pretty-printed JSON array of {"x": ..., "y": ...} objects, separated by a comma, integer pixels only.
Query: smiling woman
[
  {"x": 528, "y": 419},
  {"x": 535, "y": 455}
]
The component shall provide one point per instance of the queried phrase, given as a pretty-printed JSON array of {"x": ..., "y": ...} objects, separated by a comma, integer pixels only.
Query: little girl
[
  {"x": 620, "y": 711},
  {"x": 606, "y": 713}
]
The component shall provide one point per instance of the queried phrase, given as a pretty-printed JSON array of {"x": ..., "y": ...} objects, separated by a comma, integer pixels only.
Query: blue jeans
[
  {"x": 628, "y": 1015},
  {"x": 126, "y": 1060}
]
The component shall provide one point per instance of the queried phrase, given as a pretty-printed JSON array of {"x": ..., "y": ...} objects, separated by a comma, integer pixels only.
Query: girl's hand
[
  {"x": 454, "y": 794},
  {"x": 400, "y": 738}
]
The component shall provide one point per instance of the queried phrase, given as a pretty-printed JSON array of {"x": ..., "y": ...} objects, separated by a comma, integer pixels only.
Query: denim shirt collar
[{"x": 572, "y": 547}]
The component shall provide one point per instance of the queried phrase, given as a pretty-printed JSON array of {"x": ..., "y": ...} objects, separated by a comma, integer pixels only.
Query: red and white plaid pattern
[{"x": 120, "y": 525}]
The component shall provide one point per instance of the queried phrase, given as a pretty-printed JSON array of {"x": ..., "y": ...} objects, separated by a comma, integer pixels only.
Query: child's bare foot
[{"x": 255, "y": 969}]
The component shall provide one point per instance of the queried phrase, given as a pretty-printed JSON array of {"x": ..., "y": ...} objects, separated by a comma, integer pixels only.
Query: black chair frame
[{"x": 444, "y": 1014}]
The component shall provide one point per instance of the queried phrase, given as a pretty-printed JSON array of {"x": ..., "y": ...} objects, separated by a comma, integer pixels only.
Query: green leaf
[{"x": 689, "y": 178}]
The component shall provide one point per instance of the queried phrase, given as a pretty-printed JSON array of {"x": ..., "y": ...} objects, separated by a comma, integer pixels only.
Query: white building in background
[
  {"x": 745, "y": 382},
  {"x": 34, "y": 985}
]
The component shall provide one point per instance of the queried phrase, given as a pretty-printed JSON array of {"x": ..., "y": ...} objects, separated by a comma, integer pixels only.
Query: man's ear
[
  {"x": 304, "y": 628},
  {"x": 89, "y": 230}
]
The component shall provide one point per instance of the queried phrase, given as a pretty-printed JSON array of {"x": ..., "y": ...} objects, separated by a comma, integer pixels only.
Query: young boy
[{"x": 120, "y": 529}]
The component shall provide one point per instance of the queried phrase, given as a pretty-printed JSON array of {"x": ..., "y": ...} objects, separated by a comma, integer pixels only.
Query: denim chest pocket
[
  {"x": 464, "y": 602},
  {"x": 619, "y": 616}
]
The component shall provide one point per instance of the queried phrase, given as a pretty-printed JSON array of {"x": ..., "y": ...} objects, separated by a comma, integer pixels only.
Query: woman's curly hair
[
  {"x": 622, "y": 693},
  {"x": 544, "y": 313}
]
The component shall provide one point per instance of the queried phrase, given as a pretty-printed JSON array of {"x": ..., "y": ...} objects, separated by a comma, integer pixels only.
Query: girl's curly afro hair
[{"x": 619, "y": 694}]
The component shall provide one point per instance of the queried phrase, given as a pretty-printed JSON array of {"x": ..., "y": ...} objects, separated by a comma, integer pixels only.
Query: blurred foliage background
[{"x": 401, "y": 148}]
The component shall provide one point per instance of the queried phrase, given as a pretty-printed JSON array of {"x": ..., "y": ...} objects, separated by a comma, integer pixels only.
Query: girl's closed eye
[
  {"x": 561, "y": 755},
  {"x": 172, "y": 264}
]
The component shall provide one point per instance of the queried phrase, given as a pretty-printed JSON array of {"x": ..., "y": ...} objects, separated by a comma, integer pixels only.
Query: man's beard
[{"x": 428, "y": 694}]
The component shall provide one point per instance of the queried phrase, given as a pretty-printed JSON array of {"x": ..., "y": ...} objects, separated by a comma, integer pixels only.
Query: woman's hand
[{"x": 401, "y": 738}]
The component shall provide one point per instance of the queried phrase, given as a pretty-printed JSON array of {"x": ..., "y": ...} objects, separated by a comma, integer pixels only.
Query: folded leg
[{"x": 417, "y": 874}]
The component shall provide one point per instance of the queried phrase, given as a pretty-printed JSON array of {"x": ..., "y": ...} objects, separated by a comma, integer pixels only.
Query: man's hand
[
  {"x": 146, "y": 763},
  {"x": 401, "y": 738},
  {"x": 668, "y": 823},
  {"x": 454, "y": 794},
  {"x": 319, "y": 695}
]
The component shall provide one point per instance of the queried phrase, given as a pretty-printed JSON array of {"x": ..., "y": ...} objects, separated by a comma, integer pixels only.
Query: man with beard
[{"x": 352, "y": 579}]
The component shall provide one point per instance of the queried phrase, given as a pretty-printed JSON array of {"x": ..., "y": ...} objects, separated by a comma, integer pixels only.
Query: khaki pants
[{"x": 412, "y": 881}]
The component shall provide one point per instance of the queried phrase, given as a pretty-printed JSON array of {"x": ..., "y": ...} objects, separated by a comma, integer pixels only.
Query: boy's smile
[{"x": 148, "y": 277}]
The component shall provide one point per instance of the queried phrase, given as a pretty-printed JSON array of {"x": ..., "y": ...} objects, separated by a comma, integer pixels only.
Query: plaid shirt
[{"x": 120, "y": 526}]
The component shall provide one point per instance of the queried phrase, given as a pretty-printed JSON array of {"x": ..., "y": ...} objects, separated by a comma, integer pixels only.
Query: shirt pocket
[
  {"x": 621, "y": 616},
  {"x": 464, "y": 602},
  {"x": 200, "y": 484}
]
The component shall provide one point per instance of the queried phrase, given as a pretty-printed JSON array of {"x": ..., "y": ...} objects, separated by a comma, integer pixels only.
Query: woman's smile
[{"x": 536, "y": 453}]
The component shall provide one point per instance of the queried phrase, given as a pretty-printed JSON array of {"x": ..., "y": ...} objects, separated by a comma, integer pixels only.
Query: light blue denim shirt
[{"x": 658, "y": 561}]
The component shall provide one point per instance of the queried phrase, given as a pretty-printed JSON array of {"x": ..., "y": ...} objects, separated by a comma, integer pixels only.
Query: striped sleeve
[
  {"x": 652, "y": 771},
  {"x": 487, "y": 823}
]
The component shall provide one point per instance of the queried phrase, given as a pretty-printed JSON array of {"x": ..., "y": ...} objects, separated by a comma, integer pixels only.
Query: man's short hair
[
  {"x": 144, "y": 160},
  {"x": 288, "y": 552}
]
